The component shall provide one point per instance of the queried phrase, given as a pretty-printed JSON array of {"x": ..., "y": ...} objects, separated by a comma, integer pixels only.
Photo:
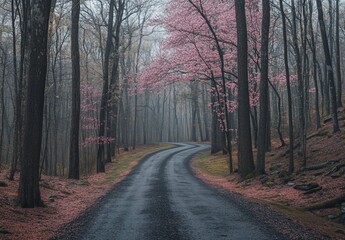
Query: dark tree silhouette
[
  {"x": 264, "y": 94},
  {"x": 329, "y": 67},
  {"x": 75, "y": 120},
  {"x": 245, "y": 153},
  {"x": 29, "y": 193}
]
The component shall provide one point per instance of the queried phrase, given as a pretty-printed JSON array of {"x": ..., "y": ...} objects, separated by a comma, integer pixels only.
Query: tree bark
[
  {"x": 217, "y": 139},
  {"x": 29, "y": 193},
  {"x": 2, "y": 97},
  {"x": 141, "y": 31},
  {"x": 287, "y": 74},
  {"x": 175, "y": 116},
  {"x": 75, "y": 120},
  {"x": 17, "y": 142},
  {"x": 337, "y": 55},
  {"x": 329, "y": 68},
  {"x": 263, "y": 118},
  {"x": 245, "y": 153},
  {"x": 104, "y": 98},
  {"x": 194, "y": 103},
  {"x": 112, "y": 111},
  {"x": 279, "y": 115},
  {"x": 300, "y": 79},
  {"x": 313, "y": 49}
]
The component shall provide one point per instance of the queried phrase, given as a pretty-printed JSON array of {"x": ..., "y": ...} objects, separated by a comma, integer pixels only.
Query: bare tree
[
  {"x": 104, "y": 99},
  {"x": 264, "y": 105},
  {"x": 18, "y": 82},
  {"x": 29, "y": 193},
  {"x": 74, "y": 134},
  {"x": 329, "y": 68},
  {"x": 3, "y": 62},
  {"x": 312, "y": 46},
  {"x": 287, "y": 75},
  {"x": 337, "y": 54}
]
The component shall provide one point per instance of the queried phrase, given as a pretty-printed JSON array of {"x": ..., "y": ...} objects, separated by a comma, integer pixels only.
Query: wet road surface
[{"x": 162, "y": 199}]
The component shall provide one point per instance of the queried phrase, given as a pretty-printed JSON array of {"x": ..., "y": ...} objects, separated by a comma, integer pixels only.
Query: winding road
[{"x": 162, "y": 199}]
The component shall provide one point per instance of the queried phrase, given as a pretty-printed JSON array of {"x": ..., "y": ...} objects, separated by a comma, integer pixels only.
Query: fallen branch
[
  {"x": 314, "y": 190},
  {"x": 328, "y": 119},
  {"x": 319, "y": 166},
  {"x": 335, "y": 169},
  {"x": 306, "y": 187},
  {"x": 326, "y": 204}
]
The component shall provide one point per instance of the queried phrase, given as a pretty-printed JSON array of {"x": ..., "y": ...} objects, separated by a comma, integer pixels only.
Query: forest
[
  {"x": 259, "y": 82},
  {"x": 82, "y": 82}
]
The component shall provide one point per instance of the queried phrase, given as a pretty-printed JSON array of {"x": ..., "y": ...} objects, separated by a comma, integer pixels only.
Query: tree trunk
[
  {"x": 199, "y": 122},
  {"x": 300, "y": 79},
  {"x": 313, "y": 49},
  {"x": 279, "y": 115},
  {"x": 287, "y": 74},
  {"x": 245, "y": 153},
  {"x": 264, "y": 95},
  {"x": 75, "y": 56},
  {"x": 328, "y": 62},
  {"x": 175, "y": 116},
  {"x": 141, "y": 30},
  {"x": 304, "y": 84},
  {"x": 217, "y": 139},
  {"x": 29, "y": 193},
  {"x": 337, "y": 55},
  {"x": 2, "y": 98},
  {"x": 194, "y": 103},
  {"x": 112, "y": 111},
  {"x": 254, "y": 121},
  {"x": 205, "y": 115},
  {"x": 17, "y": 143},
  {"x": 146, "y": 116},
  {"x": 104, "y": 98}
]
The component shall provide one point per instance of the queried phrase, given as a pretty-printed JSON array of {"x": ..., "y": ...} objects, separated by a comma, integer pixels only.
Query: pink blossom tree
[
  {"x": 89, "y": 120},
  {"x": 202, "y": 45}
]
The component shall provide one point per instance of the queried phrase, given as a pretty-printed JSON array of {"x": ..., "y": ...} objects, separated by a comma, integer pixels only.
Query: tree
[
  {"x": 337, "y": 54},
  {"x": 329, "y": 68},
  {"x": 113, "y": 94},
  {"x": 245, "y": 153},
  {"x": 312, "y": 46},
  {"x": 287, "y": 76},
  {"x": 141, "y": 25},
  {"x": 18, "y": 89},
  {"x": 104, "y": 99},
  {"x": 29, "y": 193},
  {"x": 264, "y": 94},
  {"x": 3, "y": 62},
  {"x": 300, "y": 80},
  {"x": 75, "y": 120}
]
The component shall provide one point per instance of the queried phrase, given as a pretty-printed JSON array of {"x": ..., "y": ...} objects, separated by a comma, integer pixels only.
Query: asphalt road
[{"x": 162, "y": 199}]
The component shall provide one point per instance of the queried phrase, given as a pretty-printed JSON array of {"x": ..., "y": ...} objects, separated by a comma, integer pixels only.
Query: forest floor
[
  {"x": 65, "y": 199},
  {"x": 277, "y": 190}
]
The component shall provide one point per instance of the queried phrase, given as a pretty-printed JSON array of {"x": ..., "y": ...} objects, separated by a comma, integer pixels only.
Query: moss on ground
[{"x": 214, "y": 165}]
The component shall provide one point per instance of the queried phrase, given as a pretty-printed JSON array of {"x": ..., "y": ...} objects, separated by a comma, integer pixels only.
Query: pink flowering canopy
[
  {"x": 89, "y": 118},
  {"x": 190, "y": 50}
]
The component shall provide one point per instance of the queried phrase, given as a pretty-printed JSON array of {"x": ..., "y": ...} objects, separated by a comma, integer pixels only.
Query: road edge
[{"x": 267, "y": 216}]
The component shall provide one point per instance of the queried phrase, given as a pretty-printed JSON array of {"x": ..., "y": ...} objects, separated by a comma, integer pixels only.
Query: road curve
[{"x": 161, "y": 199}]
